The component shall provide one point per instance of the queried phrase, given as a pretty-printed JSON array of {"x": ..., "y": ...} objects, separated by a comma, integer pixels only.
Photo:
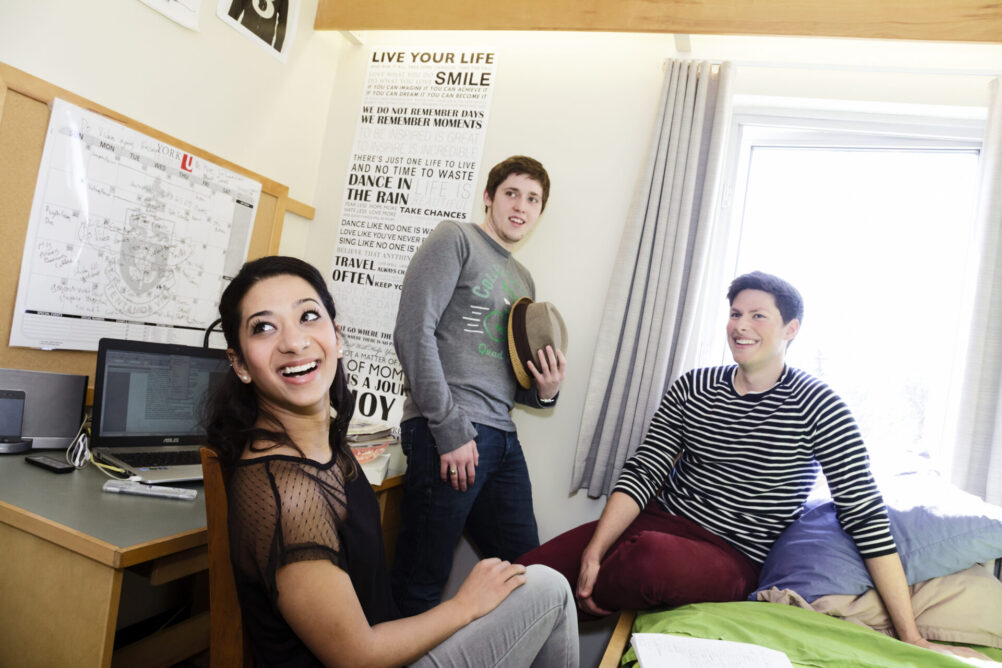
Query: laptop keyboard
[{"x": 156, "y": 459}]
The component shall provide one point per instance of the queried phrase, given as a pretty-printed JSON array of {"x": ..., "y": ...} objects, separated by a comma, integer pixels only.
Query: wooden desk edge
[
  {"x": 161, "y": 547},
  {"x": 388, "y": 483},
  {"x": 95, "y": 548},
  {"x": 59, "y": 534},
  {"x": 113, "y": 555}
]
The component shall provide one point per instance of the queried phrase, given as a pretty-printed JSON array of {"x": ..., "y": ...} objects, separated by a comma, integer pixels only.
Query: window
[{"x": 873, "y": 221}]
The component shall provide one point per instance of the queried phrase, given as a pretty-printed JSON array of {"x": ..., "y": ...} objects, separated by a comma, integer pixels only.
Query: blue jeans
[{"x": 496, "y": 511}]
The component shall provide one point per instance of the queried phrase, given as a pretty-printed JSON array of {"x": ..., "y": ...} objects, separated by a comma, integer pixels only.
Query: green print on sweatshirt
[{"x": 494, "y": 323}]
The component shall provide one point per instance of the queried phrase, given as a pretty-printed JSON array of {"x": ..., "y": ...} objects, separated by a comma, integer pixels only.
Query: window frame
[{"x": 778, "y": 124}]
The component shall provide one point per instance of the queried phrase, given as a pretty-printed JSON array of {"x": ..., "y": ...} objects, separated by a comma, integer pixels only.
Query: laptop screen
[{"x": 152, "y": 393}]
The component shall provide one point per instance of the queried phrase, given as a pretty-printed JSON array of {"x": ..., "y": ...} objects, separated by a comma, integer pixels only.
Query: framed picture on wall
[{"x": 268, "y": 23}]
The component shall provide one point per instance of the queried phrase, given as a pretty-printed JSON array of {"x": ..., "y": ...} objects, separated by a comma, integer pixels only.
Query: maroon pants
[{"x": 659, "y": 560}]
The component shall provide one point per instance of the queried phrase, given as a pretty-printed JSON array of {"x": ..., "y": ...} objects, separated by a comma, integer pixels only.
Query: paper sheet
[
  {"x": 183, "y": 12},
  {"x": 657, "y": 650},
  {"x": 375, "y": 470}
]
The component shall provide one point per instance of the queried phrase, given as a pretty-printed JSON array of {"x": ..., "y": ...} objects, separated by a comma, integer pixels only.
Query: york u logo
[
  {"x": 186, "y": 162},
  {"x": 172, "y": 439}
]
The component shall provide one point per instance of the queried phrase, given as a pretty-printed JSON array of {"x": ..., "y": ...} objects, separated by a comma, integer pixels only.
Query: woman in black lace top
[{"x": 305, "y": 539}]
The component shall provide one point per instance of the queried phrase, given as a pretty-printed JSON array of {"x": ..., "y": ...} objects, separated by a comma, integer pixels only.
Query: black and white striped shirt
[{"x": 748, "y": 462}]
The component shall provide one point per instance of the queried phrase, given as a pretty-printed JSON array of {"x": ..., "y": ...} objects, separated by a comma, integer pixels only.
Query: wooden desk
[{"x": 64, "y": 545}]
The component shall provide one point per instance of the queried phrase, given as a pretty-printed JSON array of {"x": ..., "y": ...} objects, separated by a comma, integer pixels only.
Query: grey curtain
[
  {"x": 977, "y": 464},
  {"x": 651, "y": 315}
]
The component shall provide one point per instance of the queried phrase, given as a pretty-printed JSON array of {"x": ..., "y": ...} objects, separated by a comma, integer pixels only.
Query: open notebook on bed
[{"x": 148, "y": 402}]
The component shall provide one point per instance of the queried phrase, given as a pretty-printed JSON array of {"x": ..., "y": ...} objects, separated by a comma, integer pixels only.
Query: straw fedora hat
[{"x": 531, "y": 327}]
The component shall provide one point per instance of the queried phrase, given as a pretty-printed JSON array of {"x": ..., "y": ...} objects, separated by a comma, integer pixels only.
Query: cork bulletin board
[{"x": 25, "y": 103}]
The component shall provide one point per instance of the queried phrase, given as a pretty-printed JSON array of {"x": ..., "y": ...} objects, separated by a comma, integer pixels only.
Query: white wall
[
  {"x": 213, "y": 88},
  {"x": 583, "y": 104}
]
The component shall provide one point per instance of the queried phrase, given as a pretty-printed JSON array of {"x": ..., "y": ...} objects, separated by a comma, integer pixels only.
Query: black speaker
[
  {"x": 11, "y": 414},
  {"x": 53, "y": 405}
]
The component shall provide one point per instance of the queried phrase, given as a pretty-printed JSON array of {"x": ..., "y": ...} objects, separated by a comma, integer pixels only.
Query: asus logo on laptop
[{"x": 168, "y": 441}]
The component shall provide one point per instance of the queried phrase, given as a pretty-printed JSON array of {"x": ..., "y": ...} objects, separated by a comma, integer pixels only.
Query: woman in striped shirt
[{"x": 728, "y": 461}]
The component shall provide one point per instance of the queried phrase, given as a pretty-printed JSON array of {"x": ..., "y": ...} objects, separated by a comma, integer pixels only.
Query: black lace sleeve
[{"x": 284, "y": 510}]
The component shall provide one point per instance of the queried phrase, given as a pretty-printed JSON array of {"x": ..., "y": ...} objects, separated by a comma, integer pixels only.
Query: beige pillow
[{"x": 962, "y": 607}]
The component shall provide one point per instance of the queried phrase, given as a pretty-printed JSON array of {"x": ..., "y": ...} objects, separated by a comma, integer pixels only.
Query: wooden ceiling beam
[{"x": 942, "y": 20}]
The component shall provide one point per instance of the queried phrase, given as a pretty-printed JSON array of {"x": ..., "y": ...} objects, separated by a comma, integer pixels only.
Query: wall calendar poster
[
  {"x": 129, "y": 237},
  {"x": 414, "y": 162}
]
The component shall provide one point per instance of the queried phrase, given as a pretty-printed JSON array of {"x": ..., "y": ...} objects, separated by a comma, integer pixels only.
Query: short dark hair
[
  {"x": 518, "y": 164},
  {"x": 788, "y": 300},
  {"x": 233, "y": 409}
]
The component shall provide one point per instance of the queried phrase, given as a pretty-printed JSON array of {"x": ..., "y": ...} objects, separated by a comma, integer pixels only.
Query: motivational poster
[{"x": 414, "y": 162}]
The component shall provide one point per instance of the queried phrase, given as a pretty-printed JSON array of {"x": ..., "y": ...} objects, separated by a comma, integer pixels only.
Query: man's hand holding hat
[
  {"x": 549, "y": 374},
  {"x": 537, "y": 338}
]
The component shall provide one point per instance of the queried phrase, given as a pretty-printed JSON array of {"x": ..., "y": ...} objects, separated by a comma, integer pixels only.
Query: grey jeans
[{"x": 535, "y": 626}]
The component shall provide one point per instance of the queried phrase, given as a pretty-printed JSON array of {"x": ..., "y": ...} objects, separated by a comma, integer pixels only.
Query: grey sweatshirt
[{"x": 452, "y": 330}]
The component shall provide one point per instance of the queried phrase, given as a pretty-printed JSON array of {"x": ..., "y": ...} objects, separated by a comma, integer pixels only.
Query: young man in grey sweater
[{"x": 465, "y": 467}]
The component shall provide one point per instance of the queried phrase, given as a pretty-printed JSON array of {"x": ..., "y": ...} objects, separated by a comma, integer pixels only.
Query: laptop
[{"x": 148, "y": 405}]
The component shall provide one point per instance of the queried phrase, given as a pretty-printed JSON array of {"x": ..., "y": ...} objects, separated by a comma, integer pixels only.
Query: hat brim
[{"x": 518, "y": 347}]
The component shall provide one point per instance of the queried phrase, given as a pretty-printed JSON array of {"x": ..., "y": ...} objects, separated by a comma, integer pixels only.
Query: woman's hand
[{"x": 489, "y": 583}]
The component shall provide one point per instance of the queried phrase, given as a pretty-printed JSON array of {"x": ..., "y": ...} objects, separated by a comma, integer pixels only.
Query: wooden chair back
[{"x": 228, "y": 643}]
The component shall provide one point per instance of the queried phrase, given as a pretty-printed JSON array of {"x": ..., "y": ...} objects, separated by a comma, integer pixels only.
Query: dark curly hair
[{"x": 233, "y": 409}]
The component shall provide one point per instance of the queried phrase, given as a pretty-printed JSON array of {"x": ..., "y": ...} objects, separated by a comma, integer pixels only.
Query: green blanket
[{"x": 808, "y": 638}]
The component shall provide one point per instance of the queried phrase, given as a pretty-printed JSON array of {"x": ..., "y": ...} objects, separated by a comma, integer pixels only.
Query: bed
[
  {"x": 950, "y": 544},
  {"x": 809, "y": 639}
]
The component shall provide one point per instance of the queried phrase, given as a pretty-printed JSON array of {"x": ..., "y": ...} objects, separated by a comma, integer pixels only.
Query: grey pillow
[{"x": 938, "y": 528}]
